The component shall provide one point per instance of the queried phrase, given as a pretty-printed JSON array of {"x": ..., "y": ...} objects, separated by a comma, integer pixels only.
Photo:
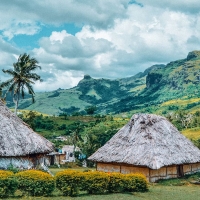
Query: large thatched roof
[
  {"x": 17, "y": 139},
  {"x": 148, "y": 140}
]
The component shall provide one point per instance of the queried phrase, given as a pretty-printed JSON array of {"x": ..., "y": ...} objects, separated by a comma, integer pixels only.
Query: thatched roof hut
[
  {"x": 20, "y": 145},
  {"x": 150, "y": 142}
]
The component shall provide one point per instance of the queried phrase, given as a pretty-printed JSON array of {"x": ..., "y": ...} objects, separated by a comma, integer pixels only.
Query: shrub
[
  {"x": 8, "y": 183},
  {"x": 135, "y": 183},
  {"x": 69, "y": 182},
  {"x": 95, "y": 182},
  {"x": 35, "y": 182},
  {"x": 116, "y": 182},
  {"x": 13, "y": 169}
]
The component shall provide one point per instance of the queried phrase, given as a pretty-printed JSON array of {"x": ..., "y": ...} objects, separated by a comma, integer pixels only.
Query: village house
[
  {"x": 64, "y": 155},
  {"x": 151, "y": 145},
  {"x": 20, "y": 146}
]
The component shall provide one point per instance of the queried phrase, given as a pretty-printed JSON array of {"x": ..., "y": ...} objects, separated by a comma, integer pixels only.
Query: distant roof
[
  {"x": 69, "y": 148},
  {"x": 17, "y": 138},
  {"x": 148, "y": 140}
]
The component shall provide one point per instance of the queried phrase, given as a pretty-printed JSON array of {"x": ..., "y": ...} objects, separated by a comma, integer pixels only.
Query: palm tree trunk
[{"x": 16, "y": 101}]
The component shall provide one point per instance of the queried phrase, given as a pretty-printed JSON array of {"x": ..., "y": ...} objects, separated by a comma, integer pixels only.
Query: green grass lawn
[{"x": 186, "y": 192}]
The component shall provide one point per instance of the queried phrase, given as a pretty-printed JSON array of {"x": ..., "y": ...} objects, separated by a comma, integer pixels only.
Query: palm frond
[
  {"x": 6, "y": 83},
  {"x": 33, "y": 76},
  {"x": 10, "y": 72},
  {"x": 30, "y": 91}
]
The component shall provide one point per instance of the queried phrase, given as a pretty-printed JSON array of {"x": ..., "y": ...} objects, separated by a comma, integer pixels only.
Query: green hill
[{"x": 156, "y": 90}]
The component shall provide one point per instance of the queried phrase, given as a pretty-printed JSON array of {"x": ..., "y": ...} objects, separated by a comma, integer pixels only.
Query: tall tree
[{"x": 23, "y": 77}]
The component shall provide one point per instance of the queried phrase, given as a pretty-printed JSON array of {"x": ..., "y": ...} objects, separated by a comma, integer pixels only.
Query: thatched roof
[
  {"x": 148, "y": 140},
  {"x": 17, "y": 138}
]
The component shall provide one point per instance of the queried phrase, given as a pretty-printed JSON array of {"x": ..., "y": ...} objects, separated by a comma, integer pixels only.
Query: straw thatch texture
[
  {"x": 16, "y": 137},
  {"x": 148, "y": 140}
]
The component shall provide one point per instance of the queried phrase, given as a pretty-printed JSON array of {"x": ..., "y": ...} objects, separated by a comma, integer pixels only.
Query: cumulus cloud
[
  {"x": 8, "y": 56},
  {"x": 23, "y": 17},
  {"x": 118, "y": 38},
  {"x": 59, "y": 79},
  {"x": 191, "y": 6}
]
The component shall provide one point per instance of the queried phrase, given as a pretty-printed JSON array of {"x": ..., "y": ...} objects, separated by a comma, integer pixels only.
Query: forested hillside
[{"x": 159, "y": 89}]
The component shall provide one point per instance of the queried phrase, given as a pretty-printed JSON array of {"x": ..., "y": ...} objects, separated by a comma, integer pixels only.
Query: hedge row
[
  {"x": 69, "y": 182},
  {"x": 30, "y": 182}
]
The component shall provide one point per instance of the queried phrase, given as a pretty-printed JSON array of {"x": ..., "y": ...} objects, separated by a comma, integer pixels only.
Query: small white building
[{"x": 68, "y": 150}]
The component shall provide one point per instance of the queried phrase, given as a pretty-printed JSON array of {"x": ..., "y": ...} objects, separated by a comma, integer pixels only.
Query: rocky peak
[
  {"x": 87, "y": 77},
  {"x": 193, "y": 55}
]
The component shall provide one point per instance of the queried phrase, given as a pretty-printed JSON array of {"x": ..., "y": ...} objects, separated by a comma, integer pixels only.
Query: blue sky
[{"x": 105, "y": 39}]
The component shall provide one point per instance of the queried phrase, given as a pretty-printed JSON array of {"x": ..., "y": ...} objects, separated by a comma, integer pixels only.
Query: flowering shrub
[
  {"x": 135, "y": 183},
  {"x": 69, "y": 182},
  {"x": 35, "y": 182},
  {"x": 116, "y": 182},
  {"x": 95, "y": 182},
  {"x": 8, "y": 183}
]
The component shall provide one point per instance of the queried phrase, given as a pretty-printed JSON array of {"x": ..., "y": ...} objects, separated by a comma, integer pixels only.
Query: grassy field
[{"x": 186, "y": 192}]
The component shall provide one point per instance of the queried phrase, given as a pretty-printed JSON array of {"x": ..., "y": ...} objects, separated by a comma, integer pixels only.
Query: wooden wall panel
[
  {"x": 162, "y": 172},
  {"x": 171, "y": 170},
  {"x": 187, "y": 169},
  {"x": 195, "y": 167},
  {"x": 107, "y": 167},
  {"x": 151, "y": 175},
  {"x": 133, "y": 169}
]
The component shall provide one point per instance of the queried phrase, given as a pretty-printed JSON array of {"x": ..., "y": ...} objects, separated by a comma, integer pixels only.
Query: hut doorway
[
  {"x": 52, "y": 160},
  {"x": 180, "y": 172}
]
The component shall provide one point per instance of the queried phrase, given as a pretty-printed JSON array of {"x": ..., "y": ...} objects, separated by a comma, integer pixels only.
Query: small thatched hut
[
  {"x": 20, "y": 146},
  {"x": 151, "y": 145}
]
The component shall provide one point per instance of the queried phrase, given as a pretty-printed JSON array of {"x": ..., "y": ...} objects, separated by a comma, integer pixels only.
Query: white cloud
[
  {"x": 117, "y": 39},
  {"x": 23, "y": 17},
  {"x": 191, "y": 6},
  {"x": 59, "y": 79}
]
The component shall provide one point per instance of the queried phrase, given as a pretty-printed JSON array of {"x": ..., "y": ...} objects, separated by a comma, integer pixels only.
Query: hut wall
[
  {"x": 23, "y": 162},
  {"x": 187, "y": 169},
  {"x": 171, "y": 172},
  {"x": 108, "y": 167},
  {"x": 195, "y": 167},
  {"x": 134, "y": 169},
  {"x": 60, "y": 158},
  {"x": 152, "y": 175}
]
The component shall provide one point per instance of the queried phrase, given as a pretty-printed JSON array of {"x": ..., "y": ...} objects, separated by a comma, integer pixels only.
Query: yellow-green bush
[
  {"x": 135, "y": 183},
  {"x": 35, "y": 182},
  {"x": 95, "y": 182},
  {"x": 69, "y": 182},
  {"x": 8, "y": 183},
  {"x": 116, "y": 182}
]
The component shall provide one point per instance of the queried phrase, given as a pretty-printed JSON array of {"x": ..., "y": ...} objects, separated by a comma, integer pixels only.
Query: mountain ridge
[{"x": 157, "y": 84}]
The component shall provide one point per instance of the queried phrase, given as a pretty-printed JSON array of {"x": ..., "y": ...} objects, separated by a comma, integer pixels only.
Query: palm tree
[{"x": 22, "y": 78}]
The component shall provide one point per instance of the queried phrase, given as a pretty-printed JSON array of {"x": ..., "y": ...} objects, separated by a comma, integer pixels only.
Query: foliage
[
  {"x": 90, "y": 110},
  {"x": 8, "y": 183},
  {"x": 36, "y": 121},
  {"x": 136, "y": 183},
  {"x": 13, "y": 169},
  {"x": 22, "y": 77},
  {"x": 35, "y": 183},
  {"x": 116, "y": 182},
  {"x": 95, "y": 182},
  {"x": 183, "y": 120},
  {"x": 69, "y": 182}
]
